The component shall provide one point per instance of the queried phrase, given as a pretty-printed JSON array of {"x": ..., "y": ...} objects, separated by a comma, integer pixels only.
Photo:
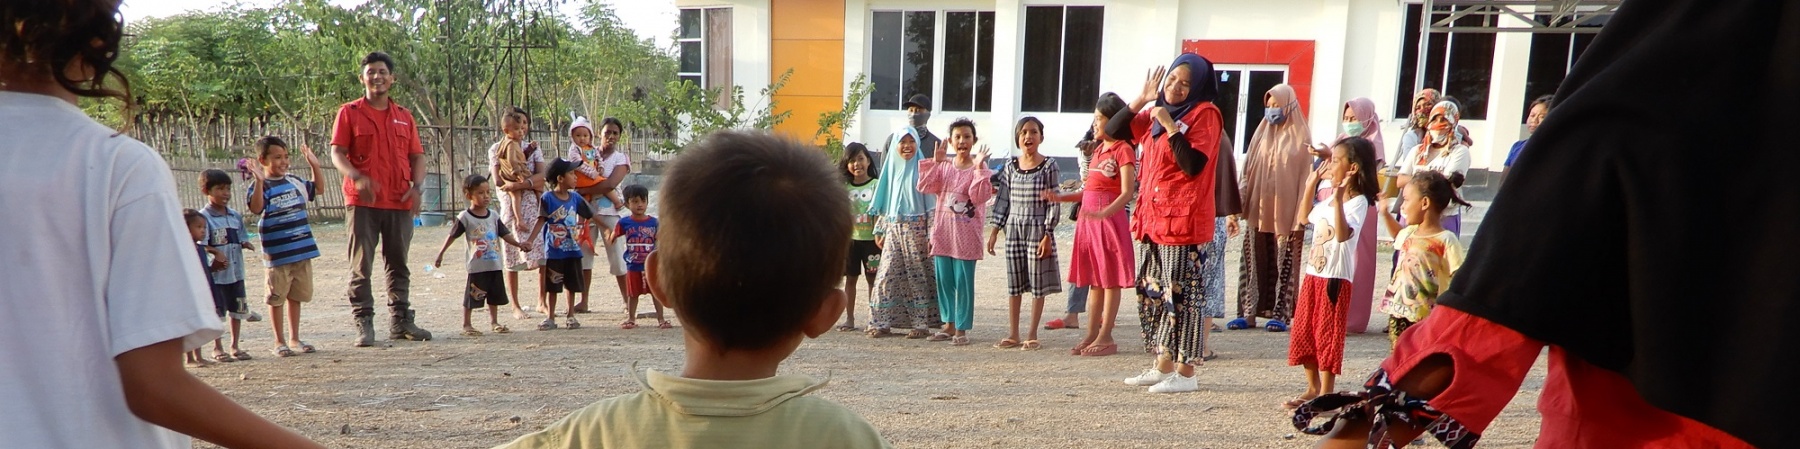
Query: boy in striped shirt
[{"x": 288, "y": 246}]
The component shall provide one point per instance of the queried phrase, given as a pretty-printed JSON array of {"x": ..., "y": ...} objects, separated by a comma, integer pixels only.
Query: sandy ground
[{"x": 477, "y": 392}]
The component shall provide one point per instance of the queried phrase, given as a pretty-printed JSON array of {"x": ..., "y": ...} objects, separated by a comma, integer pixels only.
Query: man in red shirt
[{"x": 376, "y": 146}]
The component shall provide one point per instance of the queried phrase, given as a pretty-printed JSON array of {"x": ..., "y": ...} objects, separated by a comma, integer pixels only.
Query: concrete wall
[{"x": 1357, "y": 55}]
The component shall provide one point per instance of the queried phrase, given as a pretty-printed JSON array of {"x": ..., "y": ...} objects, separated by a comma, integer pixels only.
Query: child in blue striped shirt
[{"x": 288, "y": 246}]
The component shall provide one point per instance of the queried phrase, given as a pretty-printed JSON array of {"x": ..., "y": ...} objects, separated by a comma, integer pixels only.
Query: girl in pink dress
[{"x": 1102, "y": 259}]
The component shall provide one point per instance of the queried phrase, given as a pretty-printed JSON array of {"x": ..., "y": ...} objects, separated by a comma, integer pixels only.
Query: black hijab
[
  {"x": 1645, "y": 245},
  {"x": 1203, "y": 87}
]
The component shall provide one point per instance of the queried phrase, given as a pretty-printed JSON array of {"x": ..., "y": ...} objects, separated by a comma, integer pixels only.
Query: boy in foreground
[{"x": 742, "y": 318}]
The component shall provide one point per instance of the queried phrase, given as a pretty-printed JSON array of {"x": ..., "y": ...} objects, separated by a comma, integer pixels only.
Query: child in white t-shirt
[
  {"x": 110, "y": 298},
  {"x": 1317, "y": 339}
]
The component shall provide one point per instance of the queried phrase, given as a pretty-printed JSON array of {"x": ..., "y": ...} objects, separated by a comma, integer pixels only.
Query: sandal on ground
[
  {"x": 1209, "y": 356},
  {"x": 1007, "y": 343},
  {"x": 1080, "y": 347},
  {"x": 470, "y": 331},
  {"x": 1216, "y": 329},
  {"x": 519, "y": 314},
  {"x": 306, "y": 348},
  {"x": 879, "y": 332},
  {"x": 283, "y": 351},
  {"x": 571, "y": 323},
  {"x": 846, "y": 328},
  {"x": 1239, "y": 324},
  {"x": 1276, "y": 326},
  {"x": 499, "y": 329},
  {"x": 1295, "y": 403},
  {"x": 940, "y": 336},
  {"x": 960, "y": 340},
  {"x": 1031, "y": 345},
  {"x": 220, "y": 356},
  {"x": 240, "y": 354},
  {"x": 916, "y": 334},
  {"x": 1059, "y": 324},
  {"x": 548, "y": 324},
  {"x": 664, "y": 324},
  {"x": 628, "y": 325},
  {"x": 1100, "y": 350}
]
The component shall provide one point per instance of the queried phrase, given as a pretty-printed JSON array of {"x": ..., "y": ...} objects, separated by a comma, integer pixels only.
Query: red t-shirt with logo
[{"x": 379, "y": 143}]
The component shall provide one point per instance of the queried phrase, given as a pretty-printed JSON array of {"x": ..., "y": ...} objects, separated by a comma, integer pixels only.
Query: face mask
[
  {"x": 1273, "y": 115},
  {"x": 918, "y": 118},
  {"x": 1440, "y": 136},
  {"x": 1353, "y": 129}
]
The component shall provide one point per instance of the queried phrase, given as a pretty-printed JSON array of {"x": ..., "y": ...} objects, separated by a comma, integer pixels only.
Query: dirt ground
[{"x": 477, "y": 392}]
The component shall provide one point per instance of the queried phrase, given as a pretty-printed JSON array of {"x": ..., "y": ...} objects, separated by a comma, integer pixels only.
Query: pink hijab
[{"x": 1364, "y": 109}]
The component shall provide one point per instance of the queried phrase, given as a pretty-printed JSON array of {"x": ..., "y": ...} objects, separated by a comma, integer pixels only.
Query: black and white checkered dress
[{"x": 1021, "y": 211}]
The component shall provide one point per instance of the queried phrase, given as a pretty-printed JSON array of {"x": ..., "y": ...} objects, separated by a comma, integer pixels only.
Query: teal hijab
[{"x": 897, "y": 190}]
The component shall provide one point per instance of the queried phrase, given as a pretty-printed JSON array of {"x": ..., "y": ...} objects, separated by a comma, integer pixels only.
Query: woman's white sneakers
[
  {"x": 1176, "y": 384},
  {"x": 1148, "y": 378}
]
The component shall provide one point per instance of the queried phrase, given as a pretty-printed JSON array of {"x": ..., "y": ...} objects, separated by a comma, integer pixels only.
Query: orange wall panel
[
  {"x": 804, "y": 120},
  {"x": 806, "y": 19},
  {"x": 818, "y": 66}
]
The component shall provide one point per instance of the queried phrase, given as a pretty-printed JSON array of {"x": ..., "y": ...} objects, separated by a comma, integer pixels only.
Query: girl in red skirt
[{"x": 1317, "y": 342}]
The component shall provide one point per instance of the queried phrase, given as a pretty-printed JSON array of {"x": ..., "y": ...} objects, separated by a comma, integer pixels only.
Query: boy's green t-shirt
[
  {"x": 675, "y": 412},
  {"x": 860, "y": 198}
]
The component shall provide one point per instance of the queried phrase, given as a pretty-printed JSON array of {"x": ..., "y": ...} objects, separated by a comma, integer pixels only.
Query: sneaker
[
  {"x": 1148, "y": 378},
  {"x": 1176, "y": 384}
]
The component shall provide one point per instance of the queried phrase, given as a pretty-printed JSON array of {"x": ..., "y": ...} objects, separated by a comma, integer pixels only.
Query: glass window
[
  {"x": 916, "y": 75},
  {"x": 968, "y": 61},
  {"x": 884, "y": 64},
  {"x": 1458, "y": 64},
  {"x": 1042, "y": 78},
  {"x": 1062, "y": 58},
  {"x": 903, "y": 56},
  {"x": 1552, "y": 55},
  {"x": 690, "y": 24},
  {"x": 690, "y": 57}
]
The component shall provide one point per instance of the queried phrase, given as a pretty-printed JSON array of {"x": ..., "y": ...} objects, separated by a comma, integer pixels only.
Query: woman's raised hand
[{"x": 1153, "y": 84}]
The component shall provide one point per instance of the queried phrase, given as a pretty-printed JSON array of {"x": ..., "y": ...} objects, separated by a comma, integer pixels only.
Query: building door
[{"x": 1241, "y": 89}]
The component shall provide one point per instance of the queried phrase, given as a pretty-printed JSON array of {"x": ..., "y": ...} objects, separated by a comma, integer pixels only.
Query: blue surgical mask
[
  {"x": 1273, "y": 115},
  {"x": 1353, "y": 128}
]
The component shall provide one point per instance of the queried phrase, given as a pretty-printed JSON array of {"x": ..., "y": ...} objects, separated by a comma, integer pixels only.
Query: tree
[{"x": 832, "y": 124}]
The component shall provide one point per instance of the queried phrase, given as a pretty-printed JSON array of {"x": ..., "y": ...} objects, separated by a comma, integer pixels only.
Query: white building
[{"x": 997, "y": 60}]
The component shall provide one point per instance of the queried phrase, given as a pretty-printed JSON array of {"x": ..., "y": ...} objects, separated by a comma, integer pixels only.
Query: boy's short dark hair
[
  {"x": 214, "y": 177},
  {"x": 558, "y": 168},
  {"x": 731, "y": 200},
  {"x": 189, "y": 215},
  {"x": 266, "y": 142},
  {"x": 380, "y": 57},
  {"x": 963, "y": 122},
  {"x": 473, "y": 182},
  {"x": 636, "y": 191}
]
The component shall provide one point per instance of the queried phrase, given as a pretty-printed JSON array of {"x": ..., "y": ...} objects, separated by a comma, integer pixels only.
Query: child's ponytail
[{"x": 1441, "y": 190}]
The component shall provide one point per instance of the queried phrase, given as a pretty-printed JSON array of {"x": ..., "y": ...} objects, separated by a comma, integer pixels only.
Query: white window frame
[
  {"x": 698, "y": 40},
  {"x": 940, "y": 30}
]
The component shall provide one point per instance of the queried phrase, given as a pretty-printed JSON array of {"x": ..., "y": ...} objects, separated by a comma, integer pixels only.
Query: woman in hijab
[
  {"x": 1603, "y": 233},
  {"x": 1361, "y": 120},
  {"x": 1444, "y": 151},
  {"x": 1174, "y": 220},
  {"x": 1413, "y": 132},
  {"x": 905, "y": 283},
  {"x": 1278, "y": 160}
]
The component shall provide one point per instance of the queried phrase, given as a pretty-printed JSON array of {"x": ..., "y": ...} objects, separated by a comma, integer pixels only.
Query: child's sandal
[
  {"x": 283, "y": 351},
  {"x": 470, "y": 331},
  {"x": 547, "y": 325},
  {"x": 240, "y": 354},
  {"x": 499, "y": 329},
  {"x": 628, "y": 324},
  {"x": 220, "y": 356},
  {"x": 1031, "y": 345},
  {"x": 571, "y": 323},
  {"x": 664, "y": 324},
  {"x": 306, "y": 348},
  {"x": 1007, "y": 343}
]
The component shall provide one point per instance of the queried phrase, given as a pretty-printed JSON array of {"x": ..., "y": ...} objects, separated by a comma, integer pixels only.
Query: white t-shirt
[
  {"x": 1452, "y": 162},
  {"x": 607, "y": 164},
  {"x": 105, "y": 266},
  {"x": 1328, "y": 257}
]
